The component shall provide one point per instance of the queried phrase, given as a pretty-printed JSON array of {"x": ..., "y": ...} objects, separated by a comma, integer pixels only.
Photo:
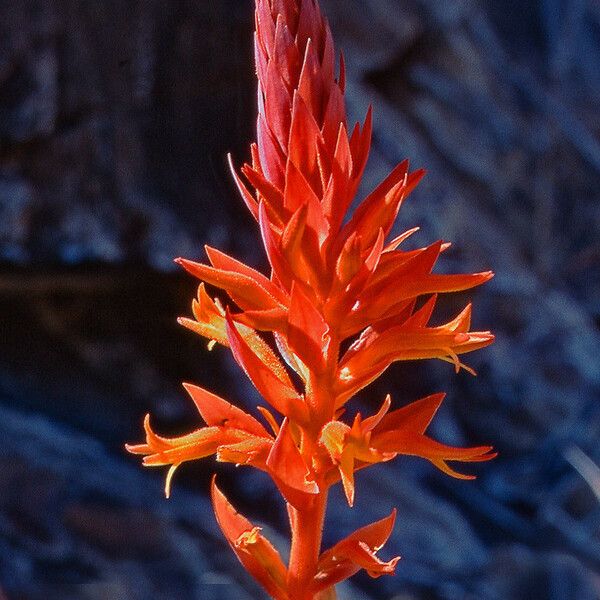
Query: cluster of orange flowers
[{"x": 341, "y": 305}]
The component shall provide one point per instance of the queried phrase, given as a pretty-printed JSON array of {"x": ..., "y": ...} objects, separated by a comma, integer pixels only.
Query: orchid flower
[{"x": 341, "y": 303}]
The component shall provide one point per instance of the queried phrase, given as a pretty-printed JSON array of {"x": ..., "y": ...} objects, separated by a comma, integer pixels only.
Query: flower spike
[{"x": 342, "y": 302}]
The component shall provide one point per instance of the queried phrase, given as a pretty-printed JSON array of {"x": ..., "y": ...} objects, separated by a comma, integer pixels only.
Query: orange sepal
[
  {"x": 222, "y": 261},
  {"x": 254, "y": 551},
  {"x": 269, "y": 194},
  {"x": 380, "y": 207},
  {"x": 250, "y": 451},
  {"x": 350, "y": 445},
  {"x": 415, "y": 416},
  {"x": 274, "y": 319},
  {"x": 218, "y": 412},
  {"x": 355, "y": 552},
  {"x": 160, "y": 451},
  {"x": 268, "y": 376},
  {"x": 304, "y": 138},
  {"x": 245, "y": 290},
  {"x": 307, "y": 330},
  {"x": 286, "y": 462},
  {"x": 297, "y": 192},
  {"x": 247, "y": 197},
  {"x": 403, "y": 431},
  {"x": 209, "y": 318},
  {"x": 374, "y": 351},
  {"x": 279, "y": 264},
  {"x": 409, "y": 285}
]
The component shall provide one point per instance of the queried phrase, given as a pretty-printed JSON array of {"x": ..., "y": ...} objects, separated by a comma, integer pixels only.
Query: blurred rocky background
[{"x": 115, "y": 120}]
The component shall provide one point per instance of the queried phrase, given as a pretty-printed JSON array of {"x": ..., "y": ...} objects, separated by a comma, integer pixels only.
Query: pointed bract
[
  {"x": 253, "y": 550},
  {"x": 355, "y": 552}
]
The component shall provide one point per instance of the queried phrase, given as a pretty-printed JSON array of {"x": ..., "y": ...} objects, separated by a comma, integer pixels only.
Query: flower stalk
[{"x": 343, "y": 301}]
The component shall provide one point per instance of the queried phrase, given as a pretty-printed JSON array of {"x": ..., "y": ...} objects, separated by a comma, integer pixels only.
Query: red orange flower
[{"x": 335, "y": 277}]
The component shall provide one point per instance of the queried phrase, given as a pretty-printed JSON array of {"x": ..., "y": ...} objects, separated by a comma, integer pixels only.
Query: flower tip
[
  {"x": 189, "y": 387},
  {"x": 169, "y": 479},
  {"x": 349, "y": 497}
]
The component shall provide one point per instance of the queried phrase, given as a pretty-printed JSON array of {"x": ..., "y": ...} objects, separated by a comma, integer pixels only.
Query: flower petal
[
  {"x": 210, "y": 318},
  {"x": 307, "y": 330},
  {"x": 218, "y": 412},
  {"x": 287, "y": 463},
  {"x": 403, "y": 431},
  {"x": 355, "y": 552},
  {"x": 247, "y": 197},
  {"x": 253, "y": 550},
  {"x": 222, "y": 261},
  {"x": 414, "y": 417},
  {"x": 245, "y": 290},
  {"x": 268, "y": 376}
]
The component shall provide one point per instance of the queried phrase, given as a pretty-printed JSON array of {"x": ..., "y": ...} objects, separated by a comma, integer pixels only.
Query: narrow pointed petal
[
  {"x": 285, "y": 52},
  {"x": 218, "y": 412},
  {"x": 267, "y": 377},
  {"x": 297, "y": 192},
  {"x": 247, "y": 197},
  {"x": 291, "y": 237},
  {"x": 279, "y": 265},
  {"x": 310, "y": 86},
  {"x": 341, "y": 188},
  {"x": 304, "y": 139},
  {"x": 349, "y": 262},
  {"x": 391, "y": 246},
  {"x": 376, "y": 534},
  {"x": 269, "y": 194},
  {"x": 355, "y": 552},
  {"x": 380, "y": 207},
  {"x": 415, "y": 416},
  {"x": 409, "y": 286},
  {"x": 346, "y": 468},
  {"x": 286, "y": 462},
  {"x": 253, "y": 550},
  {"x": 360, "y": 151},
  {"x": 307, "y": 330},
  {"x": 245, "y": 291},
  {"x": 277, "y": 105},
  {"x": 274, "y": 319},
  {"x": 272, "y": 157},
  {"x": 371, "y": 422},
  {"x": 335, "y": 116},
  {"x": 222, "y": 261},
  {"x": 265, "y": 26},
  {"x": 412, "y": 444}
]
